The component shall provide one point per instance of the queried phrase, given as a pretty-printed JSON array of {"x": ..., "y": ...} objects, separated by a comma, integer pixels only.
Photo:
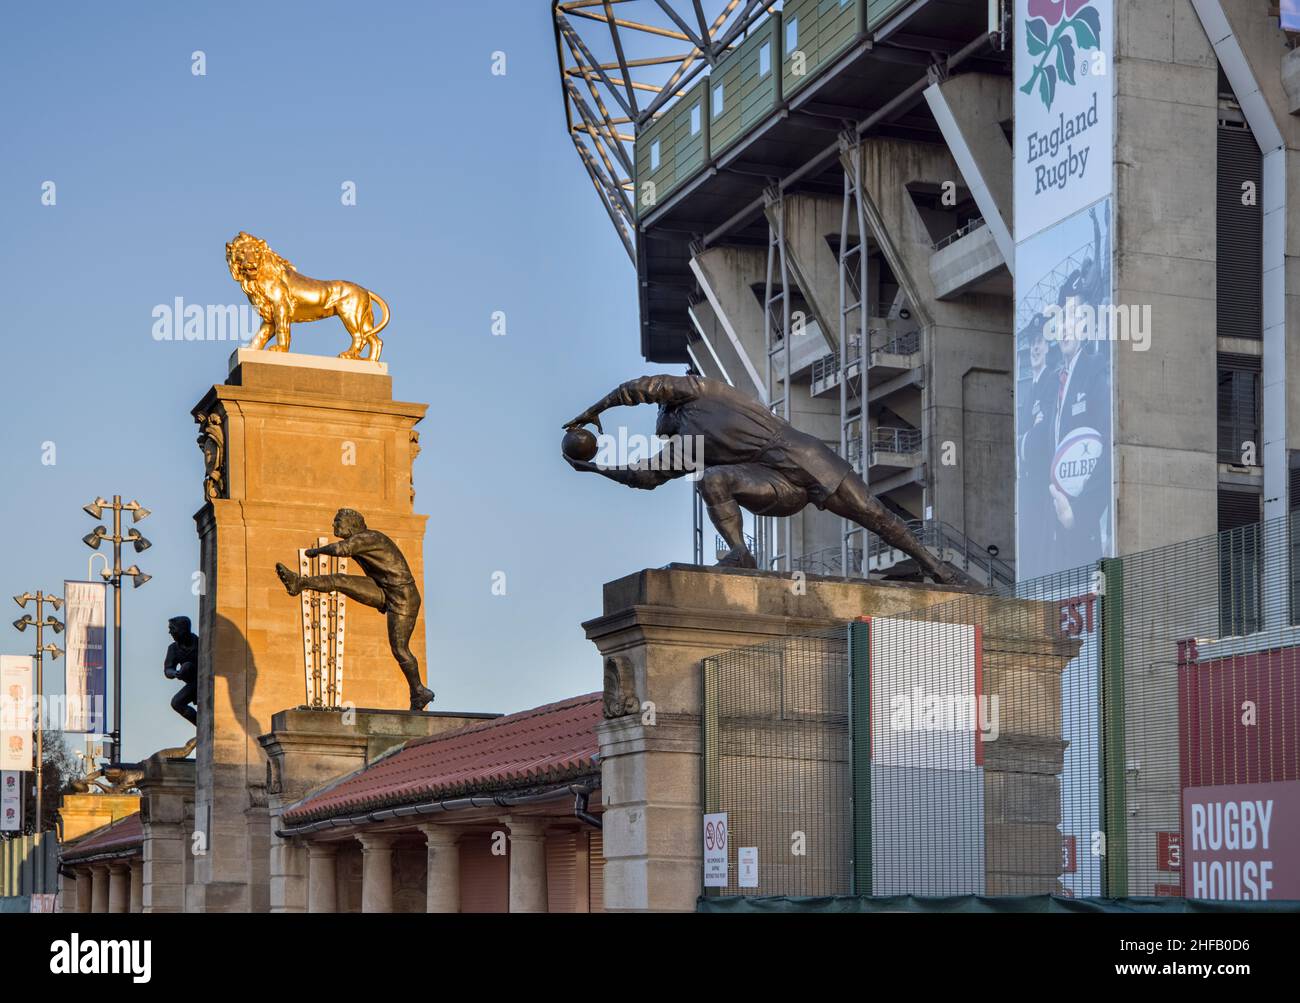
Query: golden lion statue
[{"x": 283, "y": 297}]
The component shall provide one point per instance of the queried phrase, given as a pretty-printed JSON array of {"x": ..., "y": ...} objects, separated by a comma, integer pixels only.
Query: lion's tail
[{"x": 376, "y": 298}]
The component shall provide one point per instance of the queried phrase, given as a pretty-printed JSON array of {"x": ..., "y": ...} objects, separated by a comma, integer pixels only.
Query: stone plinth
[
  {"x": 308, "y": 748},
  {"x": 287, "y": 441},
  {"x": 167, "y": 814},
  {"x": 83, "y": 813},
  {"x": 658, "y": 626}
]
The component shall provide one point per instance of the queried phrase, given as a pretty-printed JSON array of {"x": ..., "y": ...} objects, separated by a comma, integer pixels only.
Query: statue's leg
[
  {"x": 262, "y": 336},
  {"x": 400, "y": 627},
  {"x": 183, "y": 699},
  {"x": 727, "y": 489},
  {"x": 357, "y": 587},
  {"x": 853, "y": 500}
]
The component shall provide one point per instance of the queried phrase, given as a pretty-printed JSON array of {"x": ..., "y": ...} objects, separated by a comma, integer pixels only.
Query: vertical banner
[
  {"x": 16, "y": 712},
  {"x": 1065, "y": 326},
  {"x": 85, "y": 668},
  {"x": 11, "y": 801},
  {"x": 1063, "y": 163}
]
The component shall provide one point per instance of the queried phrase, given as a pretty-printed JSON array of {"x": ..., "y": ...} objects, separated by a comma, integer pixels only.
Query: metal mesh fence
[{"x": 1123, "y": 729}]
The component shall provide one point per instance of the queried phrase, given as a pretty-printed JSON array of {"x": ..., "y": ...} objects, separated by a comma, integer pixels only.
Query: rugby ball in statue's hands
[
  {"x": 578, "y": 444},
  {"x": 1076, "y": 457}
]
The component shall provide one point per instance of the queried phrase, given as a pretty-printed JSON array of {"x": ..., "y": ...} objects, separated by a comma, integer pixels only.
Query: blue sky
[{"x": 470, "y": 200}]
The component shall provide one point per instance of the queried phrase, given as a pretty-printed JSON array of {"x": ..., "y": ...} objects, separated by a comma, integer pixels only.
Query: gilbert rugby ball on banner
[{"x": 1076, "y": 456}]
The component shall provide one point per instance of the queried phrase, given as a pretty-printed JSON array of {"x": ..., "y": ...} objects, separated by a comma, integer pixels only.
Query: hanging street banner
[
  {"x": 85, "y": 668},
  {"x": 16, "y": 712},
  {"x": 11, "y": 801},
  {"x": 1064, "y": 109}
]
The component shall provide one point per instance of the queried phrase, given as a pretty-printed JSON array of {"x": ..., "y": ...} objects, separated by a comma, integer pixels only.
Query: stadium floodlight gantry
[{"x": 736, "y": 146}]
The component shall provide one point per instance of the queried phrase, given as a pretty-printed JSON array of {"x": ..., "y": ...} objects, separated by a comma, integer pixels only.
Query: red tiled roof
[
  {"x": 124, "y": 834},
  {"x": 547, "y": 744}
]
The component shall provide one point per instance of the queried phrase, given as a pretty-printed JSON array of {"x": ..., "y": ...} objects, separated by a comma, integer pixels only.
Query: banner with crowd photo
[
  {"x": 1064, "y": 464},
  {"x": 85, "y": 667},
  {"x": 1063, "y": 166},
  {"x": 16, "y": 712}
]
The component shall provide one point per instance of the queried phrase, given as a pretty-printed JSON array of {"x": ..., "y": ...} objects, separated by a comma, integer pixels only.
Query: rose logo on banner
[{"x": 1048, "y": 36}]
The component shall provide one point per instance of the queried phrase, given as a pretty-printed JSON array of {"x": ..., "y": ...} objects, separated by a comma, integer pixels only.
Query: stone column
[
  {"x": 288, "y": 875},
  {"x": 322, "y": 877},
  {"x": 376, "y": 871},
  {"x": 267, "y": 490},
  {"x": 527, "y": 864},
  {"x": 166, "y": 802},
  {"x": 99, "y": 888},
  {"x": 137, "y": 885},
  {"x": 119, "y": 886},
  {"x": 85, "y": 884},
  {"x": 442, "y": 881}
]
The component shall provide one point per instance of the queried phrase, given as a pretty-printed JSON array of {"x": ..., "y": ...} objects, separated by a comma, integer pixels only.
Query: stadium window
[
  {"x": 695, "y": 119},
  {"x": 791, "y": 35},
  {"x": 719, "y": 101},
  {"x": 654, "y": 155},
  {"x": 765, "y": 59}
]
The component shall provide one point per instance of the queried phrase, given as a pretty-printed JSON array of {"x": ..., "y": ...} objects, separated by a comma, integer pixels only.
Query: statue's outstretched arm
[{"x": 642, "y": 390}]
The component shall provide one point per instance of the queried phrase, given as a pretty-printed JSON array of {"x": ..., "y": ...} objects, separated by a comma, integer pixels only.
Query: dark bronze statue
[
  {"x": 388, "y": 586},
  {"x": 182, "y": 662},
  {"x": 751, "y": 459}
]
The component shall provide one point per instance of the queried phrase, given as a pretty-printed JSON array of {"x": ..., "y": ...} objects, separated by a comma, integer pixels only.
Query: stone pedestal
[
  {"x": 167, "y": 815},
  {"x": 287, "y": 441},
  {"x": 657, "y": 627}
]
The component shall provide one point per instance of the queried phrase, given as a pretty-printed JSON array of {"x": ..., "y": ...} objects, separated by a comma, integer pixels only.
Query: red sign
[
  {"x": 1242, "y": 841},
  {"x": 1169, "y": 851}
]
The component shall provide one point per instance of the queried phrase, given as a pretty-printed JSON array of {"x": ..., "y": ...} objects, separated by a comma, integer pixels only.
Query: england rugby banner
[
  {"x": 16, "y": 712},
  {"x": 85, "y": 667},
  {"x": 1064, "y": 109},
  {"x": 11, "y": 801},
  {"x": 1064, "y": 166}
]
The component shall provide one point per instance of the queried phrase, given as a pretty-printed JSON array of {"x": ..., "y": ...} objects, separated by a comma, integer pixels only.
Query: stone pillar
[
  {"x": 288, "y": 875},
  {"x": 119, "y": 886},
  {"x": 376, "y": 871},
  {"x": 442, "y": 876},
  {"x": 85, "y": 886},
  {"x": 99, "y": 888},
  {"x": 322, "y": 877},
  {"x": 137, "y": 886},
  {"x": 527, "y": 864},
  {"x": 274, "y": 438},
  {"x": 166, "y": 799}
]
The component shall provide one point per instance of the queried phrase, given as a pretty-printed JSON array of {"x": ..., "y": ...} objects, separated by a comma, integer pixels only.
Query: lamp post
[
  {"x": 40, "y": 622},
  {"x": 113, "y": 576}
]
